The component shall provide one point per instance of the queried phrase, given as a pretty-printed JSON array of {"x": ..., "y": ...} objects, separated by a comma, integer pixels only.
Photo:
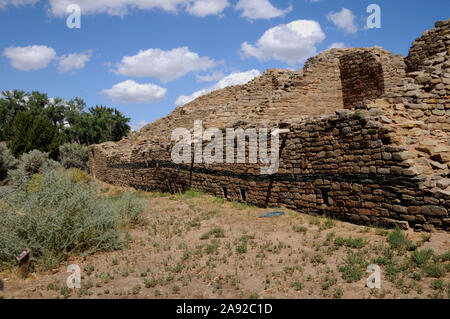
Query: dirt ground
[{"x": 198, "y": 246}]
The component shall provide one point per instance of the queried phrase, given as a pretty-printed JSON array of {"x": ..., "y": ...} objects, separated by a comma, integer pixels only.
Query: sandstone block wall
[
  {"x": 341, "y": 165},
  {"x": 388, "y": 165},
  {"x": 427, "y": 85},
  {"x": 370, "y": 74},
  {"x": 361, "y": 78},
  {"x": 433, "y": 43}
]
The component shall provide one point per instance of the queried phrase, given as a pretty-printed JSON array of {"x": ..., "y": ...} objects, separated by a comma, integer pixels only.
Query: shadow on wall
[
  {"x": 1, "y": 285},
  {"x": 361, "y": 77}
]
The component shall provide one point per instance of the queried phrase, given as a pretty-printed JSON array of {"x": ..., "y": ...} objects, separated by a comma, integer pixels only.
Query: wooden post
[{"x": 24, "y": 263}]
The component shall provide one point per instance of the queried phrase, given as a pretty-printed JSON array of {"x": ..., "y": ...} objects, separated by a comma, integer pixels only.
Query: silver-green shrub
[
  {"x": 74, "y": 155},
  {"x": 34, "y": 162},
  {"x": 7, "y": 161},
  {"x": 56, "y": 216},
  {"x": 129, "y": 209}
]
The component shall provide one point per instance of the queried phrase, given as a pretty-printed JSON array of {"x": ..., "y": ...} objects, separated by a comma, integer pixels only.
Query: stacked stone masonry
[{"x": 385, "y": 163}]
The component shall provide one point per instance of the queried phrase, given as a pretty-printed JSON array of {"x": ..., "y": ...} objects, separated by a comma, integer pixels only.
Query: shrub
[
  {"x": 35, "y": 183},
  {"x": 61, "y": 217},
  {"x": 78, "y": 176},
  {"x": 216, "y": 232},
  {"x": 241, "y": 249},
  {"x": 350, "y": 242},
  {"x": 129, "y": 209},
  {"x": 434, "y": 270},
  {"x": 299, "y": 229},
  {"x": 354, "y": 267},
  {"x": 318, "y": 259},
  {"x": 298, "y": 285},
  {"x": 421, "y": 257},
  {"x": 7, "y": 161},
  {"x": 32, "y": 163},
  {"x": 445, "y": 256},
  {"x": 398, "y": 240},
  {"x": 74, "y": 155}
]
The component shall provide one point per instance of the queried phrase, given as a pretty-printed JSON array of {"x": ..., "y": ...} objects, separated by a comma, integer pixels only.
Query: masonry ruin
[{"x": 367, "y": 138}]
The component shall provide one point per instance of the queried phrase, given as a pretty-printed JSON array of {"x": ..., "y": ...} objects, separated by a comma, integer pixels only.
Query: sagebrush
[
  {"x": 34, "y": 162},
  {"x": 57, "y": 215},
  {"x": 7, "y": 161},
  {"x": 74, "y": 155}
]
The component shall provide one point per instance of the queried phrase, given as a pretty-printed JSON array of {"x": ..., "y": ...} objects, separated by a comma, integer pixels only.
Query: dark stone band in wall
[{"x": 386, "y": 180}]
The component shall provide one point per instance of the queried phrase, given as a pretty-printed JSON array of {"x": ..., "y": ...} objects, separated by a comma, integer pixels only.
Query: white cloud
[
  {"x": 30, "y": 58},
  {"x": 132, "y": 92},
  {"x": 260, "y": 9},
  {"x": 73, "y": 61},
  {"x": 215, "y": 76},
  {"x": 232, "y": 79},
  {"x": 291, "y": 43},
  {"x": 203, "y": 8},
  {"x": 343, "y": 20},
  {"x": 237, "y": 78},
  {"x": 136, "y": 126},
  {"x": 164, "y": 65},
  {"x": 122, "y": 7},
  {"x": 336, "y": 45},
  {"x": 16, "y": 3}
]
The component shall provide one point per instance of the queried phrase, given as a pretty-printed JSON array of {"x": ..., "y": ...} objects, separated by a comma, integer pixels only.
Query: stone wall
[
  {"x": 361, "y": 78},
  {"x": 427, "y": 85},
  {"x": 369, "y": 74},
  {"x": 342, "y": 165},
  {"x": 388, "y": 165},
  {"x": 433, "y": 43}
]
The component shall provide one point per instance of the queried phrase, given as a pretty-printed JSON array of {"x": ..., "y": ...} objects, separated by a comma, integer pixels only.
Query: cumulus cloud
[
  {"x": 16, "y": 3},
  {"x": 164, "y": 65},
  {"x": 122, "y": 7},
  {"x": 260, "y": 9},
  {"x": 344, "y": 19},
  {"x": 73, "y": 61},
  {"x": 231, "y": 79},
  {"x": 30, "y": 58},
  {"x": 131, "y": 92},
  {"x": 136, "y": 126},
  {"x": 336, "y": 45},
  {"x": 215, "y": 76},
  {"x": 204, "y": 8},
  {"x": 291, "y": 43}
]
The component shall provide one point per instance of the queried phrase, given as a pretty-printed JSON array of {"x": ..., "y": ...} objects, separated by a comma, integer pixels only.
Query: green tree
[
  {"x": 66, "y": 121},
  {"x": 29, "y": 132},
  {"x": 100, "y": 125},
  {"x": 12, "y": 103},
  {"x": 108, "y": 124}
]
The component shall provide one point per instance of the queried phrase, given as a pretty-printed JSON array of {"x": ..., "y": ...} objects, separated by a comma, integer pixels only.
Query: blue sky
[{"x": 144, "y": 56}]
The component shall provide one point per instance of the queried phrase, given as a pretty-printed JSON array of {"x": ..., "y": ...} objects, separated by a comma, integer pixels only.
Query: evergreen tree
[{"x": 29, "y": 132}]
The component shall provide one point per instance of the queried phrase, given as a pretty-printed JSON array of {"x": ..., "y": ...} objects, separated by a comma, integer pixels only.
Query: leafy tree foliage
[
  {"x": 100, "y": 125},
  {"x": 33, "y": 121},
  {"x": 29, "y": 132}
]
